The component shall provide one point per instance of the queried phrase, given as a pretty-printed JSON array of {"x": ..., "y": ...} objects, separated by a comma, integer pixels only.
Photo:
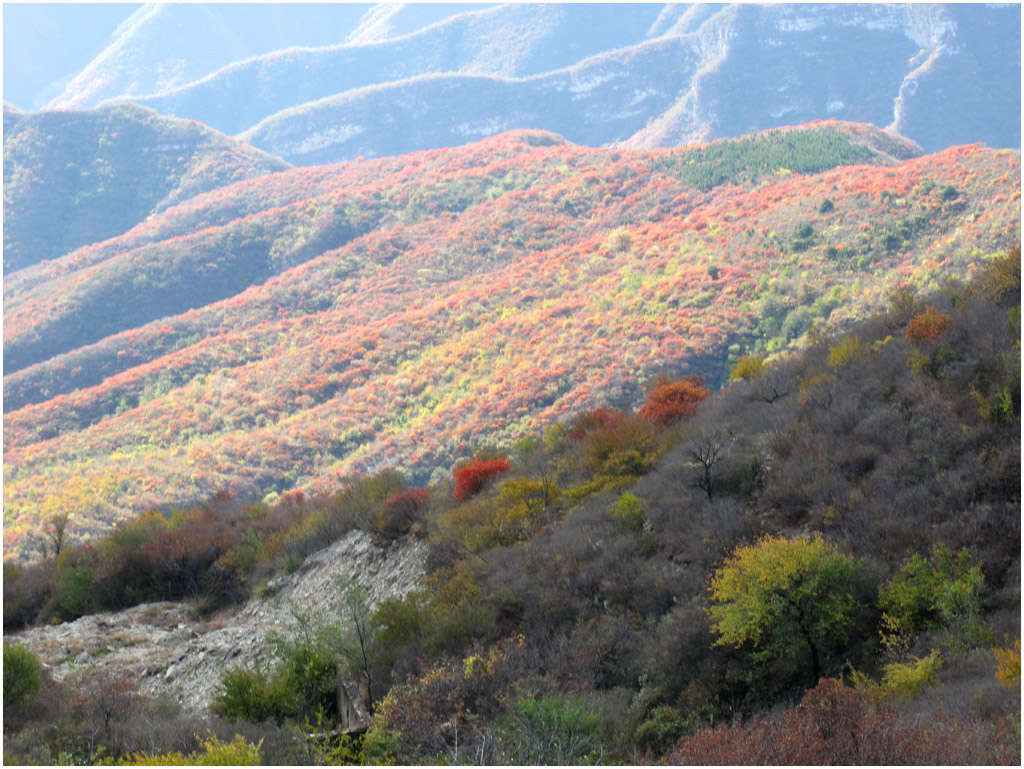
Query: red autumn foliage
[
  {"x": 471, "y": 479},
  {"x": 668, "y": 402},
  {"x": 243, "y": 391},
  {"x": 928, "y": 326},
  {"x": 837, "y": 725}
]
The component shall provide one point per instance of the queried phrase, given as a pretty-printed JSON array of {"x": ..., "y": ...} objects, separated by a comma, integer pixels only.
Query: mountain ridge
[
  {"x": 111, "y": 168},
  {"x": 913, "y": 68}
]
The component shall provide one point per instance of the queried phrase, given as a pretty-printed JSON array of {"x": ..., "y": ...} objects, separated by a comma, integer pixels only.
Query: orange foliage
[
  {"x": 928, "y": 326},
  {"x": 668, "y": 402}
]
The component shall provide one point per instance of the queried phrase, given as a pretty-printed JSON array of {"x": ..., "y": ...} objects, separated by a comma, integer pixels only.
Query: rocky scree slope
[{"x": 168, "y": 652}]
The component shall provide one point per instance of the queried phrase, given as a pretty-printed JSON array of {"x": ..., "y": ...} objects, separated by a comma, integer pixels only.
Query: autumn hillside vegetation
[
  {"x": 282, "y": 333},
  {"x": 818, "y": 564}
]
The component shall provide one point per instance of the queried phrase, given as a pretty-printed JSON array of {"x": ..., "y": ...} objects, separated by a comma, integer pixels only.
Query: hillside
[
  {"x": 285, "y": 331},
  {"x": 329, "y": 83},
  {"x": 74, "y": 178},
  {"x": 819, "y": 564},
  {"x": 506, "y": 41},
  {"x": 165, "y": 45}
]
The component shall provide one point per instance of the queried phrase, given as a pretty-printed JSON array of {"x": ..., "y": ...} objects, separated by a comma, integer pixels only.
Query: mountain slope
[
  {"x": 743, "y": 68},
  {"x": 507, "y": 41},
  {"x": 410, "y": 307},
  {"x": 164, "y": 45},
  {"x": 73, "y": 178},
  {"x": 940, "y": 74},
  {"x": 70, "y": 34}
]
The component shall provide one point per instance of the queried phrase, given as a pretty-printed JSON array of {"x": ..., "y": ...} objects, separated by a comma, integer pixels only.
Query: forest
[{"x": 816, "y": 562}]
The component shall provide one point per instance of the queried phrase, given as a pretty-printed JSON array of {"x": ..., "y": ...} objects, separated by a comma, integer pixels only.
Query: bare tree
[
  {"x": 772, "y": 385},
  {"x": 706, "y": 453}
]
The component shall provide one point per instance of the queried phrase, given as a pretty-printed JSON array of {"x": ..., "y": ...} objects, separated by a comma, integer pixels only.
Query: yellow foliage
[
  {"x": 1000, "y": 279},
  {"x": 483, "y": 523},
  {"x": 1008, "y": 669},
  {"x": 747, "y": 367},
  {"x": 845, "y": 352},
  {"x": 215, "y": 752},
  {"x": 902, "y": 679}
]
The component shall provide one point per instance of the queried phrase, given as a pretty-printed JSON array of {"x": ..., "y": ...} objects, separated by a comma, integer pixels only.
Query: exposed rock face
[{"x": 168, "y": 652}]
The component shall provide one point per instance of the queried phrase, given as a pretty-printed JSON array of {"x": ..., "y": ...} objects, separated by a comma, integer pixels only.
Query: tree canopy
[{"x": 783, "y": 595}]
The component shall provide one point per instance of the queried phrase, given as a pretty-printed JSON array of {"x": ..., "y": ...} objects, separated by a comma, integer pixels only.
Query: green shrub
[
  {"x": 311, "y": 671},
  {"x": 23, "y": 675},
  {"x": 73, "y": 597},
  {"x": 628, "y": 513},
  {"x": 552, "y": 731},
  {"x": 663, "y": 728},
  {"x": 255, "y": 696},
  {"x": 941, "y": 591}
]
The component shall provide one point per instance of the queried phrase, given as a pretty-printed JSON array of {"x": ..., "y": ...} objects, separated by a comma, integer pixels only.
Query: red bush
[
  {"x": 837, "y": 725},
  {"x": 401, "y": 511},
  {"x": 471, "y": 479},
  {"x": 668, "y": 402}
]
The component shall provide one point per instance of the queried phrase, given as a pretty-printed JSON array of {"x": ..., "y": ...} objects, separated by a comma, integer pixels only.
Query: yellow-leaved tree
[{"x": 784, "y": 597}]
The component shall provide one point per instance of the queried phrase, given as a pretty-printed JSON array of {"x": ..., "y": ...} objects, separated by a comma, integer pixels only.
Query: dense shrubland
[
  {"x": 288, "y": 331},
  {"x": 820, "y": 564}
]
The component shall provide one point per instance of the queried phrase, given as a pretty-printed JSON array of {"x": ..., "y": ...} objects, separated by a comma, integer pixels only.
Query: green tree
[
  {"x": 941, "y": 591},
  {"x": 784, "y": 596},
  {"x": 23, "y": 675}
]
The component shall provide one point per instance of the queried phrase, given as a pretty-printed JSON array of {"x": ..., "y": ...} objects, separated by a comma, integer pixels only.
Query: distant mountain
[
  {"x": 404, "y": 78},
  {"x": 74, "y": 178},
  {"x": 283, "y": 331},
  {"x": 166, "y": 45},
  {"x": 941, "y": 75},
  {"x": 47, "y": 44},
  {"x": 506, "y": 41}
]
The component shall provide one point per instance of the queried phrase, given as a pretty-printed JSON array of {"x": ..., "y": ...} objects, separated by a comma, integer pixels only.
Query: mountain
[
  {"x": 939, "y": 74},
  {"x": 284, "y": 331},
  {"x": 70, "y": 34},
  {"x": 636, "y": 75},
  {"x": 506, "y": 41},
  {"x": 73, "y": 178},
  {"x": 163, "y": 45}
]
